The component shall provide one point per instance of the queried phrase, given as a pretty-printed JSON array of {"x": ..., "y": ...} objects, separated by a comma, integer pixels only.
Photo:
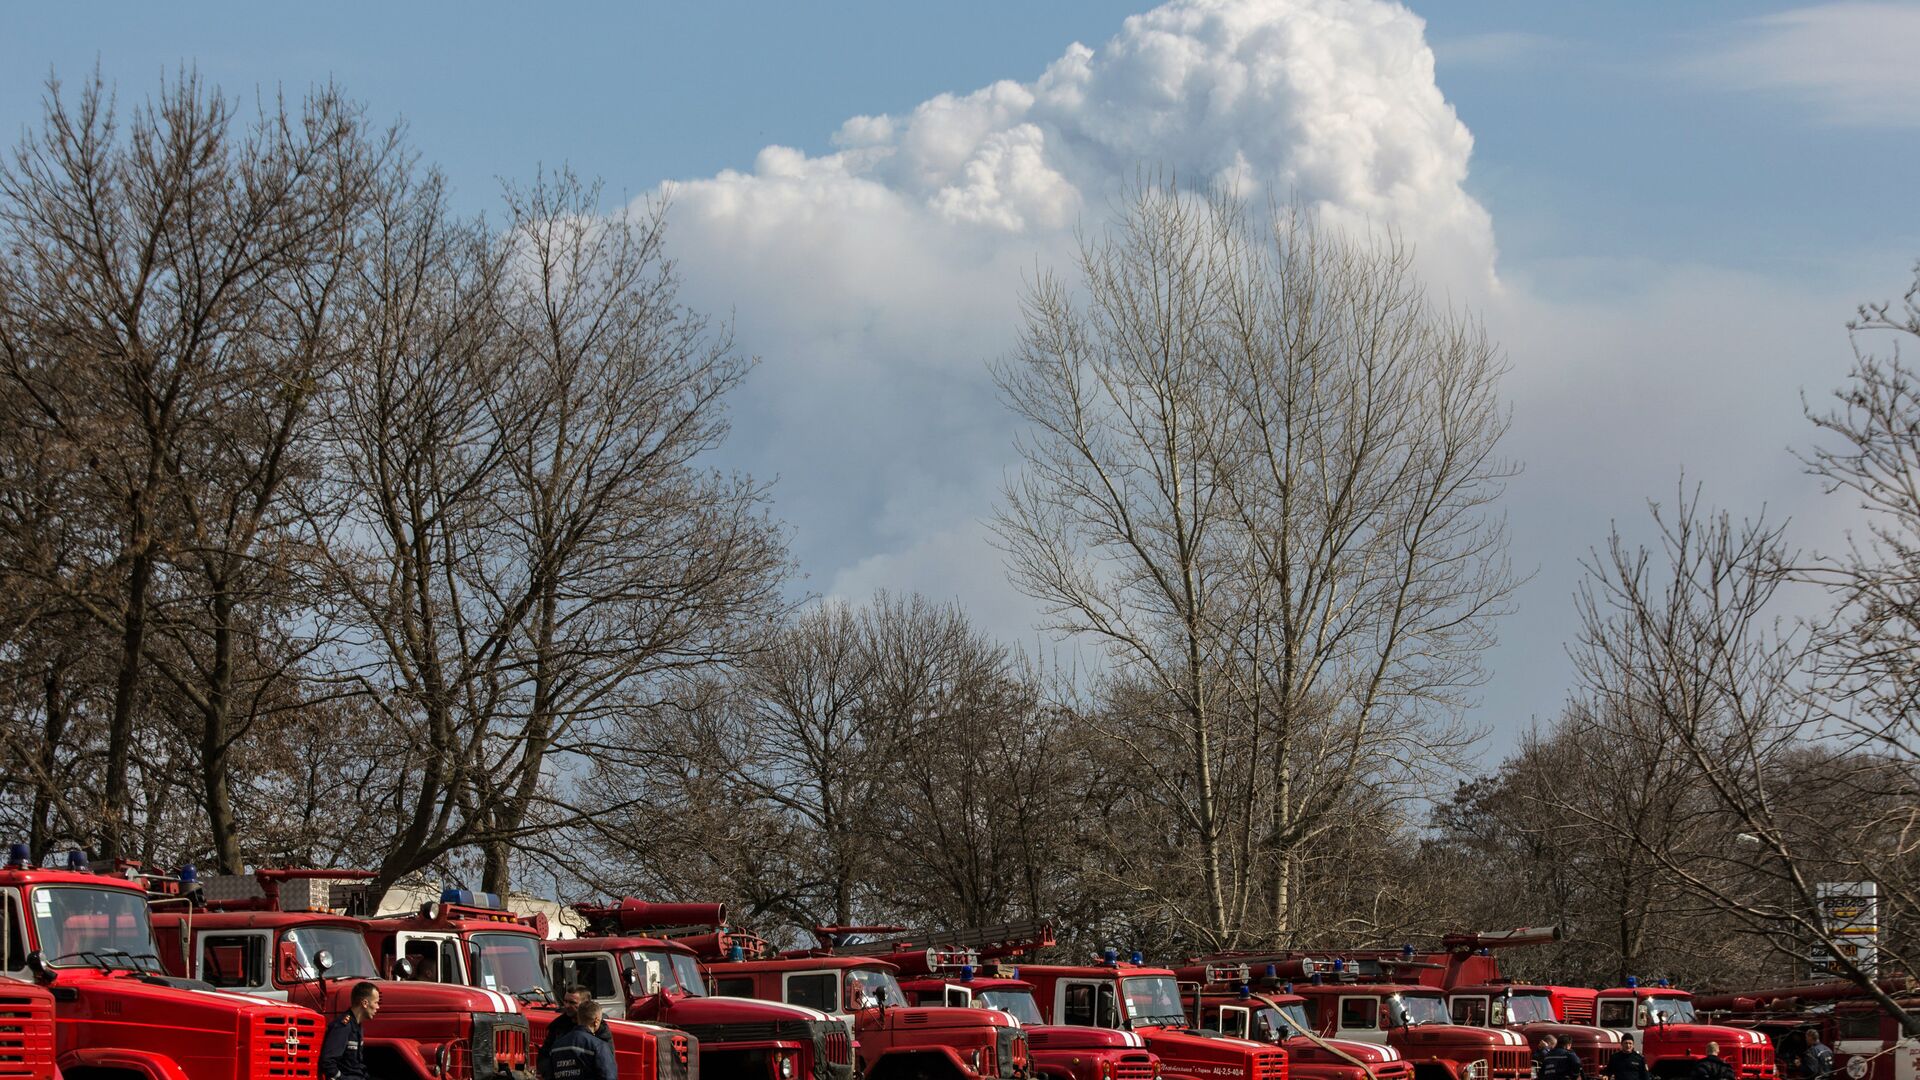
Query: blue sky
[{"x": 1686, "y": 202}]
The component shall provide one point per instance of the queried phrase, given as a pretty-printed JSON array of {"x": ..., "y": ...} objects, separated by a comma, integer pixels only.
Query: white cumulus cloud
[{"x": 877, "y": 279}]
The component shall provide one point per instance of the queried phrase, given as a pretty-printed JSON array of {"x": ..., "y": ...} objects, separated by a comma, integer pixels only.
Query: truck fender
[
  {"x": 408, "y": 1053},
  {"x": 907, "y": 1062},
  {"x": 150, "y": 1066}
]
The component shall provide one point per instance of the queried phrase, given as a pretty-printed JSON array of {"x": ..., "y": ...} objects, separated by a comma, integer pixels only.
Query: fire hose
[{"x": 1315, "y": 1039}]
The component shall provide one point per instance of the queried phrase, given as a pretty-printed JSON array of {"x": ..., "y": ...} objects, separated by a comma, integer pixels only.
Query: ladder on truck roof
[{"x": 990, "y": 942}]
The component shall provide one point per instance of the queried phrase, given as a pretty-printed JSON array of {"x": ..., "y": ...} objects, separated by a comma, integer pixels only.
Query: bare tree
[
  {"x": 634, "y": 565},
  {"x": 1260, "y": 475},
  {"x": 1680, "y": 641}
]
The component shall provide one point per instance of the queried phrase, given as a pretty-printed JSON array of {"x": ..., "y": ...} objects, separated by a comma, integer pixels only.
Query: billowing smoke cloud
[{"x": 877, "y": 280}]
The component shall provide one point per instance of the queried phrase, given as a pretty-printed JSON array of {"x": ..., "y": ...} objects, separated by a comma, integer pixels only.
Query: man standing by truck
[
  {"x": 572, "y": 997},
  {"x": 340, "y": 1052},
  {"x": 1816, "y": 1062},
  {"x": 1712, "y": 1067},
  {"x": 1626, "y": 1062},
  {"x": 579, "y": 1052}
]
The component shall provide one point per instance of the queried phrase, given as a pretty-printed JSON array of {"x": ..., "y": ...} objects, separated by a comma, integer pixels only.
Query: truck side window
[
  {"x": 1471, "y": 1011},
  {"x": 815, "y": 990},
  {"x": 1359, "y": 1014},
  {"x": 735, "y": 987},
  {"x": 1077, "y": 1009},
  {"x": 229, "y": 960},
  {"x": 1616, "y": 1014},
  {"x": 592, "y": 972},
  {"x": 1857, "y": 1025}
]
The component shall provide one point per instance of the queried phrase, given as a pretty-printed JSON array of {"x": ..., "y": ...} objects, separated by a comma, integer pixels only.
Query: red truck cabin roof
[{"x": 839, "y": 985}]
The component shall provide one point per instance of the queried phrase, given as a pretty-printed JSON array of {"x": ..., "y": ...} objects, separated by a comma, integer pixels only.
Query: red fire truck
[
  {"x": 636, "y": 974},
  {"x": 467, "y": 938},
  {"x": 1063, "y": 1053},
  {"x": 1660, "y": 1019},
  {"x": 1130, "y": 996},
  {"x": 1223, "y": 998},
  {"x": 26, "y": 1031},
  {"x": 87, "y": 938},
  {"x": 273, "y": 934},
  {"x": 1867, "y": 1043},
  {"x": 893, "y": 1038}
]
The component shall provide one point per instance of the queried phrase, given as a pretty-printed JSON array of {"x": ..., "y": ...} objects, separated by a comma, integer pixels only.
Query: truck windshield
[
  {"x": 1288, "y": 1021},
  {"x": 1669, "y": 1010},
  {"x": 1530, "y": 1009},
  {"x": 351, "y": 960},
  {"x": 1018, "y": 1002},
  {"x": 677, "y": 972},
  {"x": 80, "y": 927},
  {"x": 507, "y": 962},
  {"x": 1154, "y": 1000},
  {"x": 1409, "y": 1010},
  {"x": 869, "y": 987}
]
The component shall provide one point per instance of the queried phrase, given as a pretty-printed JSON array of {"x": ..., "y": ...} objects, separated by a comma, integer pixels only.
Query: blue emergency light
[
  {"x": 1286, "y": 988},
  {"x": 188, "y": 875},
  {"x": 1272, "y": 972},
  {"x": 1111, "y": 956},
  {"x": 1134, "y": 958},
  {"x": 966, "y": 972},
  {"x": 736, "y": 953},
  {"x": 1245, "y": 991},
  {"x": 76, "y": 859},
  {"x": 1407, "y": 950},
  {"x": 18, "y": 856},
  {"x": 1339, "y": 964},
  {"x": 469, "y": 898},
  {"x": 1633, "y": 981}
]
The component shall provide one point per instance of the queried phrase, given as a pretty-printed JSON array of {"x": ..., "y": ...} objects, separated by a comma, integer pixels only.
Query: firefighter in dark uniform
[
  {"x": 1712, "y": 1067},
  {"x": 580, "y": 1052},
  {"x": 1570, "y": 1067},
  {"x": 571, "y": 999},
  {"x": 1540, "y": 1051},
  {"x": 341, "y": 1055},
  {"x": 1816, "y": 1062},
  {"x": 1626, "y": 1062}
]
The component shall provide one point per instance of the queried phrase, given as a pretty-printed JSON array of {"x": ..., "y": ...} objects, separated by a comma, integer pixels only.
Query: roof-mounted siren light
[
  {"x": 189, "y": 877},
  {"x": 1406, "y": 950},
  {"x": 736, "y": 953},
  {"x": 1339, "y": 964},
  {"x": 1315, "y": 978},
  {"x": 1286, "y": 988},
  {"x": 1484, "y": 951},
  {"x": 1111, "y": 956},
  {"x": 966, "y": 973},
  {"x": 18, "y": 856},
  {"x": 76, "y": 860},
  {"x": 1273, "y": 971},
  {"x": 1230, "y": 973},
  {"x": 1664, "y": 982},
  {"x": 1246, "y": 992},
  {"x": 1633, "y": 981},
  {"x": 951, "y": 958},
  {"x": 1134, "y": 958},
  {"x": 470, "y": 898}
]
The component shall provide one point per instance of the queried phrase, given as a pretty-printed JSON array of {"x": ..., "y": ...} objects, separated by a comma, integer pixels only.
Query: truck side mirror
[
  {"x": 37, "y": 963},
  {"x": 288, "y": 962},
  {"x": 636, "y": 983},
  {"x": 323, "y": 962}
]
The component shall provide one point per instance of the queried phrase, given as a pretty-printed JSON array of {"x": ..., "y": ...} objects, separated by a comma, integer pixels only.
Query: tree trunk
[{"x": 113, "y": 823}]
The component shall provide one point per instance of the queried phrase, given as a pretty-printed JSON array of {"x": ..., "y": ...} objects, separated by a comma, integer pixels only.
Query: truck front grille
[
  {"x": 1268, "y": 1065},
  {"x": 1133, "y": 1067},
  {"x": 288, "y": 1044},
  {"x": 1510, "y": 1062},
  {"x": 26, "y": 1035}
]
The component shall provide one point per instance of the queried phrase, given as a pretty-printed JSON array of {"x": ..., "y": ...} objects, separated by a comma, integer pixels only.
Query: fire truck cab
[
  {"x": 661, "y": 981},
  {"x": 1223, "y": 998},
  {"x": 1662, "y": 1021},
  {"x": 467, "y": 938},
  {"x": 1130, "y": 996},
  {"x": 273, "y": 935},
  {"x": 894, "y": 1039},
  {"x": 87, "y": 938},
  {"x": 1064, "y": 1053},
  {"x": 1531, "y": 1012},
  {"x": 1414, "y": 1020},
  {"x": 1867, "y": 1044}
]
